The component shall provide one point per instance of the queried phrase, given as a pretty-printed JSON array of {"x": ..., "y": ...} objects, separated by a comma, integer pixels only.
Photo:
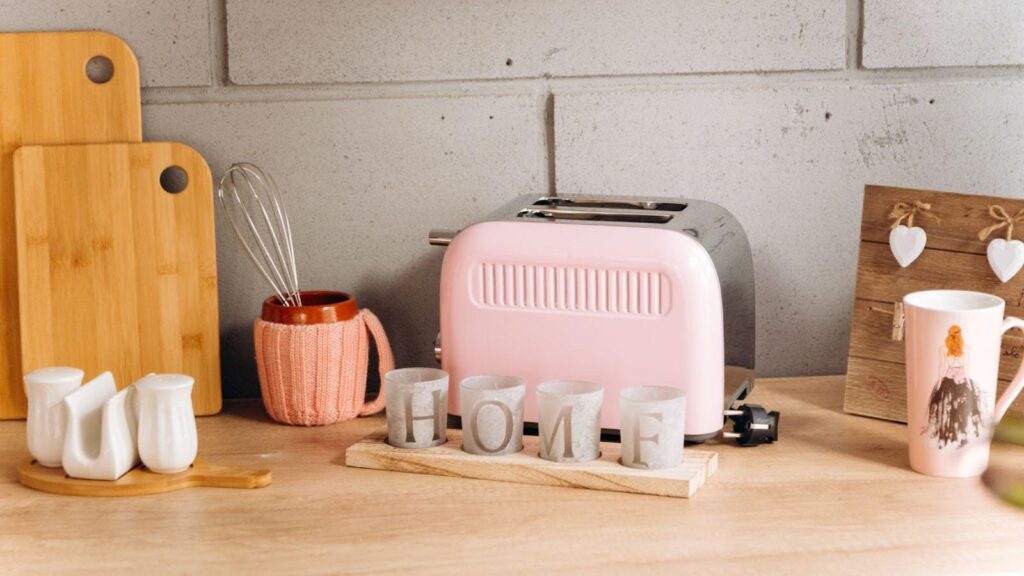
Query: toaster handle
[
  {"x": 441, "y": 237},
  {"x": 437, "y": 347}
]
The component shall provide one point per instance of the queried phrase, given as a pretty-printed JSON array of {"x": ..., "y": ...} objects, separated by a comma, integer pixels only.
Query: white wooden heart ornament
[
  {"x": 907, "y": 243},
  {"x": 1005, "y": 258}
]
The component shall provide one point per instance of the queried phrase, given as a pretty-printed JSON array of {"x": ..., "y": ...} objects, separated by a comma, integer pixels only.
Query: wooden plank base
[
  {"x": 526, "y": 467},
  {"x": 140, "y": 481}
]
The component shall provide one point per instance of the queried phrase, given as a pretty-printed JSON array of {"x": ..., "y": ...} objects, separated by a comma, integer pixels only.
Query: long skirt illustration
[{"x": 954, "y": 416}]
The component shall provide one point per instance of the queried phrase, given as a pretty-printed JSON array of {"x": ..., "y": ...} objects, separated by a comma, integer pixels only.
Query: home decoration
[
  {"x": 1006, "y": 257},
  {"x": 955, "y": 258},
  {"x": 525, "y": 467},
  {"x": 908, "y": 241}
]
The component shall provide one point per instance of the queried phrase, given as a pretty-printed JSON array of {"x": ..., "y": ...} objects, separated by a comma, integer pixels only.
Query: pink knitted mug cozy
[{"x": 312, "y": 359}]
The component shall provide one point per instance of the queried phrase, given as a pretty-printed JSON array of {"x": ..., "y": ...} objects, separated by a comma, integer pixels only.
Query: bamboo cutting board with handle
[
  {"x": 117, "y": 262},
  {"x": 55, "y": 88}
]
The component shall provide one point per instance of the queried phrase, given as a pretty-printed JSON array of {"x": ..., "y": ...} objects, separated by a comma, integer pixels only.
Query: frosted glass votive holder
[
  {"x": 569, "y": 418},
  {"x": 652, "y": 426},
  {"x": 492, "y": 414},
  {"x": 417, "y": 407}
]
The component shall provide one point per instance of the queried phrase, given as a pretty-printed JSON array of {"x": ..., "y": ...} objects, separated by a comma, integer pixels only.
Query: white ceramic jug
[
  {"x": 167, "y": 424},
  {"x": 46, "y": 389}
]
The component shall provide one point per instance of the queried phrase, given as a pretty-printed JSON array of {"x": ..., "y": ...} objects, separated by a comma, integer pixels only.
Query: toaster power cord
[{"x": 752, "y": 425}]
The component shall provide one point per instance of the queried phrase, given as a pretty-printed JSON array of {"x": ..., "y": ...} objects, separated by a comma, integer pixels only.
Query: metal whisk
[{"x": 251, "y": 201}]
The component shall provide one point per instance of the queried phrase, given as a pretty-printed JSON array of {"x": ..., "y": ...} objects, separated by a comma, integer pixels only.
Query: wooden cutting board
[
  {"x": 115, "y": 272},
  {"x": 46, "y": 97}
]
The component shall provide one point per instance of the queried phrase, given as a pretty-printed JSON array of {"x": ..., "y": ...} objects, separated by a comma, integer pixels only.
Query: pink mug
[
  {"x": 953, "y": 340},
  {"x": 312, "y": 359}
]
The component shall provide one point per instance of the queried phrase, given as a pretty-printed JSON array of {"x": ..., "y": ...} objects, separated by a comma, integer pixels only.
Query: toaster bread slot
[
  {"x": 616, "y": 204},
  {"x": 595, "y": 215}
]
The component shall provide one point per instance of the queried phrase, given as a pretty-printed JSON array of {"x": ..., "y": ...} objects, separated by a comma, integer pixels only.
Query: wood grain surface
[
  {"x": 140, "y": 481},
  {"x": 526, "y": 467},
  {"x": 834, "y": 496},
  {"x": 46, "y": 98},
  {"x": 115, "y": 273},
  {"x": 953, "y": 258}
]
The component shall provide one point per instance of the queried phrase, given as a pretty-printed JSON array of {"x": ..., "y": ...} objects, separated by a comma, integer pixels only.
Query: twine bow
[
  {"x": 1005, "y": 221},
  {"x": 908, "y": 210}
]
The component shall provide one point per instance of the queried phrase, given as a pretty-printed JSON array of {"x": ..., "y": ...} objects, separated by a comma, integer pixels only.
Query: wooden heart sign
[{"x": 954, "y": 258}]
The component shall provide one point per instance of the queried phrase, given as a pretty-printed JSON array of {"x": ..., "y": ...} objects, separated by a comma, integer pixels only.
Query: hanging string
[
  {"x": 1005, "y": 221},
  {"x": 908, "y": 210}
]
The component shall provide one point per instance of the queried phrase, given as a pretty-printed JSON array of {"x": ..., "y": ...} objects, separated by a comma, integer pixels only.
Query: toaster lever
[{"x": 441, "y": 237}]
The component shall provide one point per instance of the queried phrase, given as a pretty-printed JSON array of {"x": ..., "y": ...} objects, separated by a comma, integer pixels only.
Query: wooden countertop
[{"x": 835, "y": 494}]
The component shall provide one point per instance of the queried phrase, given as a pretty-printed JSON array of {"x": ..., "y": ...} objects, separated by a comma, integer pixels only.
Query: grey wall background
[{"x": 382, "y": 119}]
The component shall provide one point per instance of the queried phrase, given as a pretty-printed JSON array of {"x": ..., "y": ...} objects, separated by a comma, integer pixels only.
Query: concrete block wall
[{"x": 383, "y": 119}]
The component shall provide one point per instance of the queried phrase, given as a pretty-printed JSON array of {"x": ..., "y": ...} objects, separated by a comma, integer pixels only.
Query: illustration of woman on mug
[{"x": 954, "y": 413}]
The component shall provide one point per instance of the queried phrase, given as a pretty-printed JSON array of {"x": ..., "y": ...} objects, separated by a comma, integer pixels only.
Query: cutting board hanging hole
[
  {"x": 99, "y": 69},
  {"x": 174, "y": 179}
]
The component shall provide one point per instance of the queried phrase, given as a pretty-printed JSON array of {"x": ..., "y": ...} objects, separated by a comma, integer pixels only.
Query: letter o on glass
[{"x": 492, "y": 414}]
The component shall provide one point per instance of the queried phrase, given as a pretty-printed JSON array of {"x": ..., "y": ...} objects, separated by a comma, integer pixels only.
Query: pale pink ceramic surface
[
  {"x": 617, "y": 305},
  {"x": 929, "y": 315}
]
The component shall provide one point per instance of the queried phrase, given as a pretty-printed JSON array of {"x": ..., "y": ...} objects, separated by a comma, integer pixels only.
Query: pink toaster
[{"x": 618, "y": 291}]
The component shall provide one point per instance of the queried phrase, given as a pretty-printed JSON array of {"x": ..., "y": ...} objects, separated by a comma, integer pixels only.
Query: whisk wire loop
[{"x": 253, "y": 206}]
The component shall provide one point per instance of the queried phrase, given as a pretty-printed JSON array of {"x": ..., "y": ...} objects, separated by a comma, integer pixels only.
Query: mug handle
[
  {"x": 386, "y": 361},
  {"x": 1017, "y": 384}
]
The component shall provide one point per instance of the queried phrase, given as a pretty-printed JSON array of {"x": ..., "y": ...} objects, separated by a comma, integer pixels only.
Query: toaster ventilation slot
[{"x": 571, "y": 289}]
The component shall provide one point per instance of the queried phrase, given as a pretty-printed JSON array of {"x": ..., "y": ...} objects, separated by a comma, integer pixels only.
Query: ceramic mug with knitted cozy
[{"x": 312, "y": 359}]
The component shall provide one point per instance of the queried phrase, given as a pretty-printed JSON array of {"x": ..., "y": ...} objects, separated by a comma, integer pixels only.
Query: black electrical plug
[{"x": 753, "y": 425}]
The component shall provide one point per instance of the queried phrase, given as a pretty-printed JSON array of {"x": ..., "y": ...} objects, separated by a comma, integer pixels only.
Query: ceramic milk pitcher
[
  {"x": 46, "y": 389},
  {"x": 167, "y": 424},
  {"x": 312, "y": 359}
]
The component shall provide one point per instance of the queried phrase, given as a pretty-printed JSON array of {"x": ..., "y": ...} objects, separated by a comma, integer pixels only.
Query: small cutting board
[
  {"x": 47, "y": 97},
  {"x": 525, "y": 467},
  {"x": 140, "y": 481},
  {"x": 116, "y": 272}
]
